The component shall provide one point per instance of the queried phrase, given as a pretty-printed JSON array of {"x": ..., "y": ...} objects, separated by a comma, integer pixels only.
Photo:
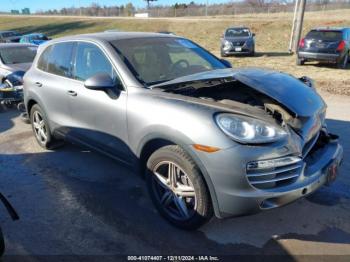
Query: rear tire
[
  {"x": 182, "y": 198},
  {"x": 343, "y": 63},
  {"x": 300, "y": 61},
  {"x": 222, "y": 53},
  {"x": 41, "y": 129}
]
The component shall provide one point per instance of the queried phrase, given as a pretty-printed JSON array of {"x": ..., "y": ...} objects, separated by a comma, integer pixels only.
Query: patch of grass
[{"x": 272, "y": 37}]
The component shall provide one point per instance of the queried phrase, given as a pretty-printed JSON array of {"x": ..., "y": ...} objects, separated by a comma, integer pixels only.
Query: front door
[{"x": 99, "y": 116}]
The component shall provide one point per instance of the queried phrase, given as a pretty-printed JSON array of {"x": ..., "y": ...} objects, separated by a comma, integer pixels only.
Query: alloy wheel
[
  {"x": 174, "y": 190},
  {"x": 39, "y": 127}
]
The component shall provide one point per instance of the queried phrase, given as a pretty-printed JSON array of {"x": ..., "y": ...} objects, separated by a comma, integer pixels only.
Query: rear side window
[
  {"x": 44, "y": 58},
  {"x": 60, "y": 59},
  {"x": 89, "y": 61},
  {"x": 327, "y": 35}
]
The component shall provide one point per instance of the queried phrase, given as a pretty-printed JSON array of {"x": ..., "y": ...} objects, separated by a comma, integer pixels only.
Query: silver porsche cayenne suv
[{"x": 207, "y": 138}]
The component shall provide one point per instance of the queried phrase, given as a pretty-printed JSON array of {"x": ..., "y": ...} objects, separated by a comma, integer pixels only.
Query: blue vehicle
[{"x": 35, "y": 38}]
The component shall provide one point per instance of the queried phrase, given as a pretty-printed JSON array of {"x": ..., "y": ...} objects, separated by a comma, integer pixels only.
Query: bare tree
[
  {"x": 148, "y": 2},
  {"x": 256, "y": 3}
]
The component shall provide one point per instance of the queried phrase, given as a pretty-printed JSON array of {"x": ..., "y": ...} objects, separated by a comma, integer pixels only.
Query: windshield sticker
[{"x": 186, "y": 43}]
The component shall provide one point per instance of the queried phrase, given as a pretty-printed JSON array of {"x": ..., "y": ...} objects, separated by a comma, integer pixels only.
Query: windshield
[
  {"x": 18, "y": 55},
  {"x": 237, "y": 32},
  {"x": 9, "y": 34},
  {"x": 325, "y": 35},
  {"x": 156, "y": 60}
]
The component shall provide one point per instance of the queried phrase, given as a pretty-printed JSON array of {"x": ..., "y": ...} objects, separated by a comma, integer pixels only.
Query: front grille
[
  {"x": 274, "y": 177},
  {"x": 238, "y": 43}
]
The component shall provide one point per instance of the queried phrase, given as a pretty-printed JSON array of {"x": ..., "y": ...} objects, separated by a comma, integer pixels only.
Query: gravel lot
[{"x": 76, "y": 202}]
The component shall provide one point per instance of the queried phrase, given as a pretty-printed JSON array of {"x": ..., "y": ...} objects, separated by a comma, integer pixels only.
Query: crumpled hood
[{"x": 287, "y": 90}]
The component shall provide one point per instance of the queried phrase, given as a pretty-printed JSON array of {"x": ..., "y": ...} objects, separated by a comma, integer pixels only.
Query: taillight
[
  {"x": 302, "y": 43},
  {"x": 341, "y": 46}
]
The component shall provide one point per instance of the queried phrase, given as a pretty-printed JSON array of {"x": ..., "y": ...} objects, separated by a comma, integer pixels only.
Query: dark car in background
[
  {"x": 34, "y": 38},
  {"x": 237, "y": 40},
  {"x": 331, "y": 44},
  {"x": 9, "y": 37}
]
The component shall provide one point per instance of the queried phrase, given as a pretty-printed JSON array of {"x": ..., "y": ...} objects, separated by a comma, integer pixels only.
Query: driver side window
[{"x": 89, "y": 61}]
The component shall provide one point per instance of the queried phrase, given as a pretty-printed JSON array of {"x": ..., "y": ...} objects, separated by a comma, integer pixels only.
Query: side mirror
[
  {"x": 226, "y": 63},
  {"x": 253, "y": 34},
  {"x": 100, "y": 81}
]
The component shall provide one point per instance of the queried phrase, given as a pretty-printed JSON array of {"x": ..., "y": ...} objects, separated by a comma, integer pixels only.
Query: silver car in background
[
  {"x": 237, "y": 41},
  {"x": 208, "y": 139},
  {"x": 15, "y": 57}
]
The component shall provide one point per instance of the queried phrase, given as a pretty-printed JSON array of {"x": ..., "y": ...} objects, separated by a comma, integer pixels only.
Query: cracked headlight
[{"x": 249, "y": 130}]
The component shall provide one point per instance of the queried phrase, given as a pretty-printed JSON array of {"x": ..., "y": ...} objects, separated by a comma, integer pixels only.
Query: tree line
[{"x": 156, "y": 8}]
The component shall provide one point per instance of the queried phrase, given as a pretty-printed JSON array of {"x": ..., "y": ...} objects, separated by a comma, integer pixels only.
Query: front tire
[
  {"x": 300, "y": 61},
  {"x": 177, "y": 188},
  {"x": 41, "y": 129}
]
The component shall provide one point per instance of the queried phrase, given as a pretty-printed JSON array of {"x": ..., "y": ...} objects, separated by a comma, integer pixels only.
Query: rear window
[
  {"x": 325, "y": 35},
  {"x": 237, "y": 32},
  {"x": 18, "y": 55}
]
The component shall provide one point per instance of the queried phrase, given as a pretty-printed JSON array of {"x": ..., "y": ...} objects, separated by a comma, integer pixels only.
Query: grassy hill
[{"x": 272, "y": 36}]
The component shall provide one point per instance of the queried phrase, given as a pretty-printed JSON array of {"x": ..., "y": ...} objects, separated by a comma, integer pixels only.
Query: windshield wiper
[{"x": 156, "y": 83}]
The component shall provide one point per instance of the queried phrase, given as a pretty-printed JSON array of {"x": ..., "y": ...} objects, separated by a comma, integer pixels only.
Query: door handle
[
  {"x": 38, "y": 84},
  {"x": 72, "y": 93}
]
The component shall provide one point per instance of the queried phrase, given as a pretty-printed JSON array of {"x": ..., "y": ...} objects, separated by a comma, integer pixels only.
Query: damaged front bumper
[{"x": 237, "y": 195}]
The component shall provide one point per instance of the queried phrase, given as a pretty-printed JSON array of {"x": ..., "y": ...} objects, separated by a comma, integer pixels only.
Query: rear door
[
  {"x": 99, "y": 116},
  {"x": 52, "y": 82},
  {"x": 323, "y": 41}
]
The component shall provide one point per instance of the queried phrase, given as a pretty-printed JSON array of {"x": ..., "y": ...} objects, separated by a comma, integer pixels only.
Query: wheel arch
[
  {"x": 151, "y": 145},
  {"x": 31, "y": 102}
]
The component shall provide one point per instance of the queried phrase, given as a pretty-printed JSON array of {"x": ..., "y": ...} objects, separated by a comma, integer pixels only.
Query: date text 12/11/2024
[{"x": 173, "y": 258}]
